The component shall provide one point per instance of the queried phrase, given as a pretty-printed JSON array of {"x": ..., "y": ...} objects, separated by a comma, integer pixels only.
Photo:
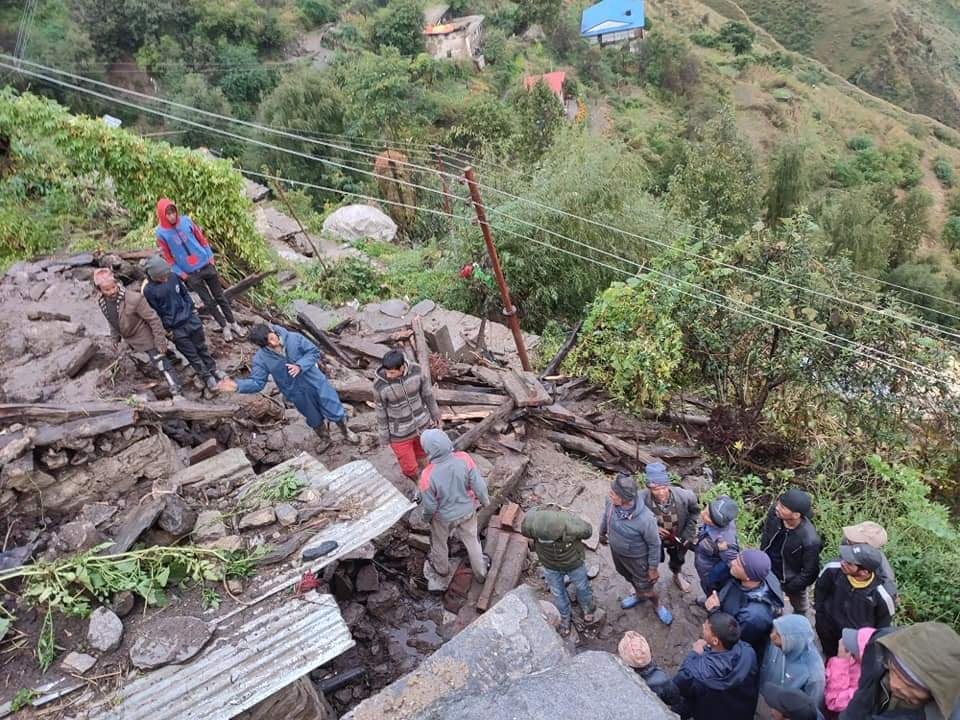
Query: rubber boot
[{"x": 349, "y": 435}]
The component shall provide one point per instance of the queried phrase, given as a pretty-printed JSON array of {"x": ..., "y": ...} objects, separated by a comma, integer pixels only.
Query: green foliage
[
  {"x": 858, "y": 143},
  {"x": 856, "y": 225},
  {"x": 399, "y": 25},
  {"x": 339, "y": 282},
  {"x": 317, "y": 12},
  {"x": 951, "y": 233},
  {"x": 539, "y": 115},
  {"x": 629, "y": 346},
  {"x": 667, "y": 63},
  {"x": 719, "y": 180},
  {"x": 796, "y": 25},
  {"x": 46, "y": 648},
  {"x": 909, "y": 222},
  {"x": 286, "y": 487},
  {"x": 210, "y": 599},
  {"x": 22, "y": 698},
  {"x": 738, "y": 36},
  {"x": 943, "y": 169},
  {"x": 898, "y": 166},
  {"x": 544, "y": 12},
  {"x": 122, "y": 26},
  {"x": 244, "y": 79},
  {"x": 927, "y": 280},
  {"x": 789, "y": 181},
  {"x": 141, "y": 171},
  {"x": 194, "y": 90},
  {"x": 486, "y": 126}
]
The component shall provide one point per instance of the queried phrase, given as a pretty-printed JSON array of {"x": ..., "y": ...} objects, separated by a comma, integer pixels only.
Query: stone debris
[
  {"x": 122, "y": 603},
  {"x": 177, "y": 517},
  {"x": 78, "y": 663},
  {"x": 258, "y": 518},
  {"x": 105, "y": 631},
  {"x": 169, "y": 640},
  {"x": 230, "y": 543},
  {"x": 287, "y": 514},
  {"x": 209, "y": 526},
  {"x": 368, "y": 579}
]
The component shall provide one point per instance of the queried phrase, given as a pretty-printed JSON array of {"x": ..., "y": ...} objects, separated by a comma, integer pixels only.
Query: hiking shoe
[
  {"x": 238, "y": 330},
  {"x": 349, "y": 435},
  {"x": 564, "y": 627},
  {"x": 666, "y": 617},
  {"x": 227, "y": 333},
  {"x": 630, "y": 601},
  {"x": 681, "y": 582},
  {"x": 211, "y": 383}
]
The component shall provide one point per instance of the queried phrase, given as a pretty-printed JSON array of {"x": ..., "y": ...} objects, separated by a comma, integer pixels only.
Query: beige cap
[
  {"x": 867, "y": 532},
  {"x": 634, "y": 650}
]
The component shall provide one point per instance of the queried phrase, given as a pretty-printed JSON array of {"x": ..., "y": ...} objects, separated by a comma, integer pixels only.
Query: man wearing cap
[
  {"x": 873, "y": 534},
  {"x": 792, "y": 543},
  {"x": 717, "y": 543},
  {"x": 910, "y": 673},
  {"x": 558, "y": 538},
  {"x": 753, "y": 596},
  {"x": 170, "y": 299},
  {"x": 789, "y": 703},
  {"x": 850, "y": 594},
  {"x": 630, "y": 529},
  {"x": 676, "y": 510},
  {"x": 634, "y": 650}
]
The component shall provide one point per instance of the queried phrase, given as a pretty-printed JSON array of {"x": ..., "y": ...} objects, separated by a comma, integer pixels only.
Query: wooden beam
[
  {"x": 627, "y": 449},
  {"x": 503, "y": 481},
  {"x": 147, "y": 411},
  {"x": 323, "y": 340},
  {"x": 447, "y": 396},
  {"x": 562, "y": 353},
  {"x": 470, "y": 437},
  {"x": 678, "y": 418},
  {"x": 247, "y": 283},
  {"x": 581, "y": 445},
  {"x": 525, "y": 389},
  {"x": 84, "y": 428},
  {"x": 464, "y": 412}
]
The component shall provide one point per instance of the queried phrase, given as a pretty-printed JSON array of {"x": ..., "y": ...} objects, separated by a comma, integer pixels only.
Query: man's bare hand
[
  {"x": 293, "y": 370},
  {"x": 700, "y": 646},
  {"x": 653, "y": 574},
  {"x": 227, "y": 385},
  {"x": 664, "y": 534},
  {"x": 712, "y": 602}
]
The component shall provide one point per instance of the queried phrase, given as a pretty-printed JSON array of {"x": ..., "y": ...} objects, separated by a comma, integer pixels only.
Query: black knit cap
[{"x": 798, "y": 501}]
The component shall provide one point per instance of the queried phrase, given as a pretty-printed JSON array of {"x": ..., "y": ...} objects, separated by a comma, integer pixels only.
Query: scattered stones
[
  {"x": 78, "y": 663},
  {"x": 419, "y": 542},
  {"x": 235, "y": 586},
  {"x": 367, "y": 551},
  {"x": 258, "y": 518},
  {"x": 122, "y": 603},
  {"x": 368, "y": 579},
  {"x": 353, "y": 614},
  {"x": 394, "y": 308},
  {"x": 380, "y": 603},
  {"x": 309, "y": 495},
  {"x": 593, "y": 567},
  {"x": 105, "y": 631},
  {"x": 209, "y": 526},
  {"x": 230, "y": 543},
  {"x": 423, "y": 307},
  {"x": 287, "y": 514},
  {"x": 169, "y": 640},
  {"x": 276, "y": 440},
  {"x": 76, "y": 536},
  {"x": 98, "y": 513},
  {"x": 177, "y": 517},
  {"x": 77, "y": 329}
]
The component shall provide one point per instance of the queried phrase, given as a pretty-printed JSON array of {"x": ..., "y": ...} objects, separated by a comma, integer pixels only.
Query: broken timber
[
  {"x": 83, "y": 428},
  {"x": 146, "y": 411},
  {"x": 503, "y": 481},
  {"x": 247, "y": 283},
  {"x": 470, "y": 437},
  {"x": 323, "y": 340},
  {"x": 561, "y": 355},
  {"x": 507, "y": 549}
]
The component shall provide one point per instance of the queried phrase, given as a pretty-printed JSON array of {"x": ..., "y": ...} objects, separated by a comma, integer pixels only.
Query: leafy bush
[
  {"x": 317, "y": 12},
  {"x": 860, "y": 142},
  {"x": 951, "y": 233},
  {"x": 667, "y": 63},
  {"x": 855, "y": 224},
  {"x": 629, "y": 346},
  {"x": 898, "y": 166},
  {"x": 738, "y": 36},
  {"x": 399, "y": 25},
  {"x": 943, "y": 169},
  {"x": 339, "y": 282}
]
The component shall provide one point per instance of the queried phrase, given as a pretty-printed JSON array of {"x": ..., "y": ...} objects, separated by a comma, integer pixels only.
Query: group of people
[{"x": 750, "y": 645}]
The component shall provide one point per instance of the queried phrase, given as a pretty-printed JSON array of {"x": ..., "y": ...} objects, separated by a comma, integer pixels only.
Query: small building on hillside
[
  {"x": 436, "y": 14},
  {"x": 613, "y": 21},
  {"x": 457, "y": 38},
  {"x": 553, "y": 80}
]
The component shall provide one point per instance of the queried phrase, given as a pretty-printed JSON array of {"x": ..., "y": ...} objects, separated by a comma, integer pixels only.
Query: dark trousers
[
  {"x": 677, "y": 555},
  {"x": 162, "y": 364},
  {"x": 829, "y": 635},
  {"x": 191, "y": 341},
  {"x": 206, "y": 283}
]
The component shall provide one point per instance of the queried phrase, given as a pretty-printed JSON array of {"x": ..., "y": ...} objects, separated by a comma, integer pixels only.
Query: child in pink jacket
[{"x": 843, "y": 671}]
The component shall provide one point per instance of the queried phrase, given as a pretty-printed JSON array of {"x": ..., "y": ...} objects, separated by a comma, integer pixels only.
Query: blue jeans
[{"x": 558, "y": 588}]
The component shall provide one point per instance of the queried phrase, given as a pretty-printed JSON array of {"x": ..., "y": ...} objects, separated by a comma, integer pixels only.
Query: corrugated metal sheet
[
  {"x": 260, "y": 649},
  {"x": 266, "y": 652}
]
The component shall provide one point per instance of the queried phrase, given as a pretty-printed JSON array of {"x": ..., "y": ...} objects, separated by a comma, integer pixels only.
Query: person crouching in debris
[
  {"x": 676, "y": 511},
  {"x": 558, "y": 538},
  {"x": 406, "y": 406},
  {"x": 291, "y": 360},
  {"x": 630, "y": 529},
  {"x": 184, "y": 246},
  {"x": 132, "y": 319},
  {"x": 171, "y": 300},
  {"x": 450, "y": 488}
]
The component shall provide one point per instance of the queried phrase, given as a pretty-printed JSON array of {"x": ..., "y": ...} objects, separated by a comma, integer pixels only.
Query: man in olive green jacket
[{"x": 558, "y": 541}]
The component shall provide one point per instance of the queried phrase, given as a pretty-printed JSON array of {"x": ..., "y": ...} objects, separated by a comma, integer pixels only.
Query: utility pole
[
  {"x": 509, "y": 311},
  {"x": 447, "y": 207}
]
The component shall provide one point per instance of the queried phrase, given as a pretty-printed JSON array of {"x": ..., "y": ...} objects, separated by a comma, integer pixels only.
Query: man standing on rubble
[
  {"x": 291, "y": 360},
  {"x": 676, "y": 510},
  {"x": 558, "y": 538},
  {"x": 171, "y": 300},
  {"x": 184, "y": 247},
  {"x": 630, "y": 529},
  {"x": 793, "y": 545},
  {"x": 450, "y": 488},
  {"x": 406, "y": 406},
  {"x": 132, "y": 319}
]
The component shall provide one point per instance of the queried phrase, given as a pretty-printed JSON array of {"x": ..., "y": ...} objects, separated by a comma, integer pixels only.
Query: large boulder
[{"x": 356, "y": 222}]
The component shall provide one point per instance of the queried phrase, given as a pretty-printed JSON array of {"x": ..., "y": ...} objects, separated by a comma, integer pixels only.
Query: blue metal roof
[{"x": 610, "y": 16}]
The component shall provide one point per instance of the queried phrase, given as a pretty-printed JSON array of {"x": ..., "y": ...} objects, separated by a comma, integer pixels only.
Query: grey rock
[
  {"x": 98, "y": 513},
  {"x": 424, "y": 307},
  {"x": 420, "y": 542},
  {"x": 416, "y": 523},
  {"x": 235, "y": 585},
  {"x": 137, "y": 523},
  {"x": 367, "y": 551},
  {"x": 169, "y": 640},
  {"x": 394, "y": 308},
  {"x": 76, "y": 536},
  {"x": 593, "y": 566},
  {"x": 209, "y": 526},
  {"x": 368, "y": 579},
  {"x": 37, "y": 291},
  {"x": 381, "y": 603},
  {"x": 177, "y": 517},
  {"x": 276, "y": 440},
  {"x": 105, "y": 631},
  {"x": 75, "y": 328},
  {"x": 78, "y": 663},
  {"x": 258, "y": 518},
  {"x": 78, "y": 260},
  {"x": 230, "y": 543},
  {"x": 287, "y": 514},
  {"x": 122, "y": 603}
]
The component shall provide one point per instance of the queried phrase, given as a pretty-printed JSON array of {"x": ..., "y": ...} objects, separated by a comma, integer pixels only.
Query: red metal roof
[{"x": 553, "y": 80}]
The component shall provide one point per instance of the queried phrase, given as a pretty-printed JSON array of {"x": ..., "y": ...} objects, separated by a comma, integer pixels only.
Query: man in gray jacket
[
  {"x": 630, "y": 529},
  {"x": 450, "y": 488},
  {"x": 676, "y": 510}
]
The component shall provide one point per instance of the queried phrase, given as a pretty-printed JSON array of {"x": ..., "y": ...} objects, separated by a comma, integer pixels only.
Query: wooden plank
[
  {"x": 501, "y": 540},
  {"x": 142, "y": 518},
  {"x": 83, "y": 428},
  {"x": 232, "y": 463},
  {"x": 465, "y": 412},
  {"x": 467, "y": 440},
  {"x": 562, "y": 353},
  {"x": 627, "y": 449},
  {"x": 205, "y": 451},
  {"x": 503, "y": 481},
  {"x": 44, "y": 316},
  {"x": 248, "y": 282},
  {"x": 323, "y": 340},
  {"x": 446, "y": 396},
  {"x": 580, "y": 445},
  {"x": 154, "y": 410},
  {"x": 525, "y": 389},
  {"x": 678, "y": 418},
  {"x": 358, "y": 390}
]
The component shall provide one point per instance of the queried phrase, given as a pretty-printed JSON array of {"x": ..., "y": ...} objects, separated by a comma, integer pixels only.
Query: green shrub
[
  {"x": 339, "y": 282},
  {"x": 317, "y": 12},
  {"x": 738, "y": 36},
  {"x": 951, "y": 233},
  {"x": 860, "y": 142},
  {"x": 943, "y": 169}
]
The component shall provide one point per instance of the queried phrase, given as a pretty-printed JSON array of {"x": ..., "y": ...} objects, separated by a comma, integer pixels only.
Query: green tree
[
  {"x": 539, "y": 116},
  {"x": 789, "y": 181},
  {"x": 317, "y": 12},
  {"x": 487, "y": 126},
  {"x": 929, "y": 283},
  {"x": 943, "y": 169},
  {"x": 379, "y": 95},
  {"x": 196, "y": 92},
  {"x": 544, "y": 12},
  {"x": 856, "y": 225},
  {"x": 668, "y": 63},
  {"x": 951, "y": 233},
  {"x": 718, "y": 181},
  {"x": 244, "y": 80},
  {"x": 910, "y": 222},
  {"x": 117, "y": 27},
  {"x": 738, "y": 35},
  {"x": 164, "y": 60},
  {"x": 399, "y": 25}
]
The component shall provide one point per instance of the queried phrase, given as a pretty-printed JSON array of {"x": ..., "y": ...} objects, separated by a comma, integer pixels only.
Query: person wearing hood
[
  {"x": 676, "y": 510},
  {"x": 717, "y": 543},
  {"x": 843, "y": 671},
  {"x": 753, "y": 596},
  {"x": 630, "y": 529},
  {"x": 792, "y": 542},
  {"x": 789, "y": 703},
  {"x": 874, "y": 535},
  {"x": 450, "y": 488},
  {"x": 634, "y": 650},
  {"x": 558, "y": 538},
  {"x": 792, "y": 660},
  {"x": 850, "y": 594},
  {"x": 910, "y": 673},
  {"x": 291, "y": 360},
  {"x": 186, "y": 249},
  {"x": 718, "y": 679},
  {"x": 170, "y": 299},
  {"x": 406, "y": 406}
]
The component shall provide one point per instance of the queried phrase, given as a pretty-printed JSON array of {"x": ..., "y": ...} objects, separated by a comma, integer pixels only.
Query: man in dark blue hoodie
[
  {"x": 171, "y": 300},
  {"x": 718, "y": 679}
]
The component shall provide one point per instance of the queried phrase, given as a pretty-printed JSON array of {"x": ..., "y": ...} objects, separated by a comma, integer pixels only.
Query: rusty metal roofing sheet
[{"x": 244, "y": 664}]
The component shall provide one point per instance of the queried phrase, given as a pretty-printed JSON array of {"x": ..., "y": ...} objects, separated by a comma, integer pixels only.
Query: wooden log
[
  {"x": 248, "y": 282},
  {"x": 75, "y": 357},
  {"x": 581, "y": 445},
  {"x": 358, "y": 391},
  {"x": 470, "y": 437},
  {"x": 562, "y": 353},
  {"x": 44, "y": 316},
  {"x": 559, "y": 414},
  {"x": 464, "y": 412},
  {"x": 204, "y": 451},
  {"x": 624, "y": 448},
  {"x": 678, "y": 418},
  {"x": 501, "y": 540},
  {"x": 323, "y": 340},
  {"x": 84, "y": 428},
  {"x": 447, "y": 396},
  {"x": 525, "y": 389},
  {"x": 184, "y": 410},
  {"x": 390, "y": 336},
  {"x": 503, "y": 481}
]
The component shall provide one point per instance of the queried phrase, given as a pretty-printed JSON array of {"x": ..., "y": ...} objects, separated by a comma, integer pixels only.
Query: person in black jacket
[
  {"x": 170, "y": 299},
  {"x": 792, "y": 543},
  {"x": 718, "y": 679},
  {"x": 910, "y": 673},
  {"x": 850, "y": 594}
]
